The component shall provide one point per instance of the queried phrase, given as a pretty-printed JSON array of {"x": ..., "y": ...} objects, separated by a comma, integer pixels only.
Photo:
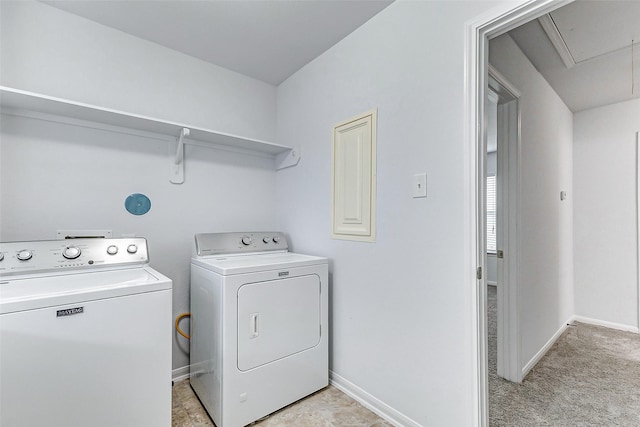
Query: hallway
[{"x": 589, "y": 377}]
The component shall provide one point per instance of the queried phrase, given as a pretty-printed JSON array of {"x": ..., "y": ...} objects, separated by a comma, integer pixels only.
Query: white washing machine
[
  {"x": 259, "y": 331},
  {"x": 85, "y": 335}
]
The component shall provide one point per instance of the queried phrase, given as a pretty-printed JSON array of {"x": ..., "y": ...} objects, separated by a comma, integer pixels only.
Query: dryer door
[{"x": 276, "y": 319}]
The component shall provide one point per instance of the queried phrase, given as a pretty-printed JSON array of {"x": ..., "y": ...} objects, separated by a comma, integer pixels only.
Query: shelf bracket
[
  {"x": 288, "y": 158},
  {"x": 176, "y": 174}
]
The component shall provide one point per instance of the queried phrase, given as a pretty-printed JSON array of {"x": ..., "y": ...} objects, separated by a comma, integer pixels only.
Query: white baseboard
[
  {"x": 535, "y": 359},
  {"x": 180, "y": 373},
  {"x": 604, "y": 323},
  {"x": 370, "y": 402},
  {"x": 491, "y": 283}
]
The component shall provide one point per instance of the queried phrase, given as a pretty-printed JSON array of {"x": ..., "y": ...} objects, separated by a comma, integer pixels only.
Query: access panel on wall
[{"x": 354, "y": 179}]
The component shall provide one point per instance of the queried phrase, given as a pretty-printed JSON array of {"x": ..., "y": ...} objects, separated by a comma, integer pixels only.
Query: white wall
[
  {"x": 604, "y": 175},
  {"x": 57, "y": 176},
  {"x": 545, "y": 284},
  {"x": 399, "y": 326},
  {"x": 49, "y": 51}
]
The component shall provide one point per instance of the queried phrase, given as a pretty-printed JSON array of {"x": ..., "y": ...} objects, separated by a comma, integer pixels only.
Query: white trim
[
  {"x": 499, "y": 20},
  {"x": 606, "y": 324},
  {"x": 638, "y": 219},
  {"x": 540, "y": 354},
  {"x": 508, "y": 200},
  {"x": 549, "y": 27},
  {"x": 371, "y": 402},
  {"x": 492, "y": 283},
  {"x": 180, "y": 374},
  {"x": 508, "y": 89},
  {"x": 474, "y": 303}
]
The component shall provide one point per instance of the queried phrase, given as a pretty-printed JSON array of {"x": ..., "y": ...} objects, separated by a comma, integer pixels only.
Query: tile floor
[{"x": 327, "y": 408}]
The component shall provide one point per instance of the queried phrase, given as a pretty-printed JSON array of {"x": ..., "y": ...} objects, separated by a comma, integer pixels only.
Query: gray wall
[
  {"x": 55, "y": 176},
  {"x": 545, "y": 282},
  {"x": 400, "y": 326},
  {"x": 605, "y": 221}
]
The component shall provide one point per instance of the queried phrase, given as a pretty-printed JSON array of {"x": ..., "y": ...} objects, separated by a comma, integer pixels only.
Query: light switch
[{"x": 420, "y": 185}]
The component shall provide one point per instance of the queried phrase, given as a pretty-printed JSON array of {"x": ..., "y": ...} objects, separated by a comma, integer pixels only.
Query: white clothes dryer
[{"x": 259, "y": 329}]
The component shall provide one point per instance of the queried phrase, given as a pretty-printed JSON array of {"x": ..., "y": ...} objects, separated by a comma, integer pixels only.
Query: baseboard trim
[
  {"x": 491, "y": 283},
  {"x": 370, "y": 402},
  {"x": 180, "y": 373},
  {"x": 535, "y": 359},
  {"x": 606, "y": 324}
]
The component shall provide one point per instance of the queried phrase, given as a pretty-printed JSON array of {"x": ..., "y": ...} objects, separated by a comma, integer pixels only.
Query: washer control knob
[
  {"x": 276, "y": 239},
  {"x": 1, "y": 256},
  {"x": 71, "y": 252},
  {"x": 266, "y": 240},
  {"x": 132, "y": 249},
  {"x": 24, "y": 255},
  {"x": 246, "y": 240},
  {"x": 112, "y": 250}
]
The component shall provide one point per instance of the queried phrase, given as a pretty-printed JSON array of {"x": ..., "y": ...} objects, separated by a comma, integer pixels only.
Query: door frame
[
  {"x": 478, "y": 31},
  {"x": 638, "y": 219},
  {"x": 507, "y": 224}
]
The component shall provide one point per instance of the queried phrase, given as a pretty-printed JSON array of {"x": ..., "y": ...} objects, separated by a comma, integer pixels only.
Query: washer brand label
[
  {"x": 283, "y": 274},
  {"x": 70, "y": 311}
]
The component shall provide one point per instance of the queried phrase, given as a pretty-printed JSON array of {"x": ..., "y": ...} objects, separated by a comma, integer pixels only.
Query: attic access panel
[{"x": 594, "y": 28}]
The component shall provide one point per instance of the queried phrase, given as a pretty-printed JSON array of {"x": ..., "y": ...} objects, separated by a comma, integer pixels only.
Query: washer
[
  {"x": 85, "y": 333},
  {"x": 259, "y": 331}
]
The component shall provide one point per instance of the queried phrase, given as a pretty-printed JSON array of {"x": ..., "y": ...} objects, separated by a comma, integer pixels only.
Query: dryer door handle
[{"x": 253, "y": 325}]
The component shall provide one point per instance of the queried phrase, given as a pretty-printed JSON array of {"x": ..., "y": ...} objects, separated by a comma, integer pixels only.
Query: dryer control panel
[
  {"x": 238, "y": 243},
  {"x": 69, "y": 254}
]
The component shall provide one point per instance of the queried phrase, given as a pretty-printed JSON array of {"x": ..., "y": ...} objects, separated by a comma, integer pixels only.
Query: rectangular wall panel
[{"x": 354, "y": 178}]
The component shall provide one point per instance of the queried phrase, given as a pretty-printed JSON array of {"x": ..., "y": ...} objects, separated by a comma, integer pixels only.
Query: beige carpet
[{"x": 589, "y": 377}]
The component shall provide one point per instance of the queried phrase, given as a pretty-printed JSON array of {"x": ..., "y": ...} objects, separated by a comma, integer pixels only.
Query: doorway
[{"x": 477, "y": 35}]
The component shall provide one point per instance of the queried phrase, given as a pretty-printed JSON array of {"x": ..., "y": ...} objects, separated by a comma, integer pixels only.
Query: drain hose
[{"x": 178, "y": 319}]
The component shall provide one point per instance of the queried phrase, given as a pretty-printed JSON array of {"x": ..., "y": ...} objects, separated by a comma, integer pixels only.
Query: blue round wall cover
[{"x": 137, "y": 204}]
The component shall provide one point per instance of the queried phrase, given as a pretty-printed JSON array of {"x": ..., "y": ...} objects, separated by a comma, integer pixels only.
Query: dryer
[{"x": 259, "y": 327}]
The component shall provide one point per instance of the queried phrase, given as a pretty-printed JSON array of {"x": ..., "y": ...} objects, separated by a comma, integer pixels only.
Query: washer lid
[
  {"x": 39, "y": 292},
  {"x": 251, "y": 263}
]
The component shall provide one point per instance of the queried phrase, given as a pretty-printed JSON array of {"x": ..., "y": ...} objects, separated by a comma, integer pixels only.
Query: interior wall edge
[
  {"x": 371, "y": 402},
  {"x": 545, "y": 348},
  {"x": 604, "y": 323}
]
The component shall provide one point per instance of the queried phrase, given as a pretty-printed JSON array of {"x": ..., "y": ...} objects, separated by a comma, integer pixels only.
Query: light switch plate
[{"x": 420, "y": 185}]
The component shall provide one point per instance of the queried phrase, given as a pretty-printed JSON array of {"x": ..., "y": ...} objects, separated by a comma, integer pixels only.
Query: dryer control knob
[
  {"x": 276, "y": 239},
  {"x": 266, "y": 240},
  {"x": 1, "y": 256},
  {"x": 24, "y": 255},
  {"x": 71, "y": 252},
  {"x": 112, "y": 250},
  {"x": 132, "y": 249},
  {"x": 246, "y": 240}
]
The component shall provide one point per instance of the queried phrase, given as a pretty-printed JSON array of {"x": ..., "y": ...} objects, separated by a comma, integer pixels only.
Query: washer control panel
[
  {"x": 52, "y": 255},
  {"x": 235, "y": 243}
]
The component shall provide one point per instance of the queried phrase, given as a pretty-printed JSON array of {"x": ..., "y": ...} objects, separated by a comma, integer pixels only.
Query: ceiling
[
  {"x": 584, "y": 51},
  {"x": 266, "y": 40},
  {"x": 270, "y": 40}
]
